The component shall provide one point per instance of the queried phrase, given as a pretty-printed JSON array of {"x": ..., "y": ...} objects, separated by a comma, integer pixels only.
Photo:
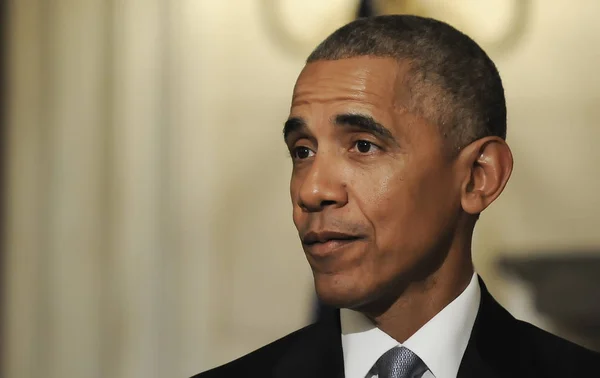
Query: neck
[{"x": 420, "y": 301}]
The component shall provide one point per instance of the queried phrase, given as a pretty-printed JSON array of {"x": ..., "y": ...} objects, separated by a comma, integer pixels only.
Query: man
[{"x": 397, "y": 135}]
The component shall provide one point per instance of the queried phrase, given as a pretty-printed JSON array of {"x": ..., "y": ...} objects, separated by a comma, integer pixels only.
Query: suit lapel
[
  {"x": 317, "y": 355},
  {"x": 473, "y": 366}
]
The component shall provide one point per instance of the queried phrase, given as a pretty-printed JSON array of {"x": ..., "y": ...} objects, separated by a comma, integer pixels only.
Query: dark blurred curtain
[{"x": 365, "y": 9}]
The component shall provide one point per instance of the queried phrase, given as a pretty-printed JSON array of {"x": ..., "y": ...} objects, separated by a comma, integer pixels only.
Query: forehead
[{"x": 362, "y": 79}]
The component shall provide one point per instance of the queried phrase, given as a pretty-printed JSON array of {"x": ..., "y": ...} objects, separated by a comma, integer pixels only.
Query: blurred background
[{"x": 145, "y": 217}]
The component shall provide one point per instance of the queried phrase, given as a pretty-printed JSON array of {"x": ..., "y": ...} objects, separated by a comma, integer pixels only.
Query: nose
[{"x": 322, "y": 186}]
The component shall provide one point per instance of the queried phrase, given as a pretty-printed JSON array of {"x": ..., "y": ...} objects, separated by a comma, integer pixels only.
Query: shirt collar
[{"x": 440, "y": 343}]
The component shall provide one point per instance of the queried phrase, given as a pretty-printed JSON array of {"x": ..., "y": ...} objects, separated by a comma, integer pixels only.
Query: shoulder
[
  {"x": 260, "y": 361},
  {"x": 508, "y": 345},
  {"x": 554, "y": 355}
]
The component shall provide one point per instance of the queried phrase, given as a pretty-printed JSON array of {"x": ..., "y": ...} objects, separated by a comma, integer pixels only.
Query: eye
[
  {"x": 364, "y": 146},
  {"x": 302, "y": 153}
]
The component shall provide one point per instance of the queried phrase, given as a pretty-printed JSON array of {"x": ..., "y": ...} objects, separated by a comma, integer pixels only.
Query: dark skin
[{"x": 384, "y": 214}]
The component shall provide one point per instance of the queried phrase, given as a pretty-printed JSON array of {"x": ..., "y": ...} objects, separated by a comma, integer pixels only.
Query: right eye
[{"x": 301, "y": 153}]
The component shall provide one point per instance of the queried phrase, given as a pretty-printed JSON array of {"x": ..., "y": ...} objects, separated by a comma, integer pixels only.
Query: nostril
[{"x": 326, "y": 203}]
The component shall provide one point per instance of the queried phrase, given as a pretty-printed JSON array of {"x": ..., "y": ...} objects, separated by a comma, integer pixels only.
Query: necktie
[{"x": 400, "y": 362}]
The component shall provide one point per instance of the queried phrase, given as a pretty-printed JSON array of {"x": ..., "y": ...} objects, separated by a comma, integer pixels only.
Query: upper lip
[{"x": 313, "y": 237}]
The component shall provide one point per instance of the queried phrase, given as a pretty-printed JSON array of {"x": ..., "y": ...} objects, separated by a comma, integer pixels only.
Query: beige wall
[
  {"x": 150, "y": 227},
  {"x": 553, "y": 92}
]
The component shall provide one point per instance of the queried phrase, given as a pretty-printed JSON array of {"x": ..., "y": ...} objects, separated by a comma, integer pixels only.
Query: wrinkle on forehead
[{"x": 368, "y": 79}]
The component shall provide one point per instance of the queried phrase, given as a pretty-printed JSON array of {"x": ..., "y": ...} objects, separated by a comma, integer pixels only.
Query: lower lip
[{"x": 329, "y": 247}]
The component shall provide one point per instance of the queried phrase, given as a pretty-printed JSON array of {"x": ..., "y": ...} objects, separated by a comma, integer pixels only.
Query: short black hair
[{"x": 452, "y": 81}]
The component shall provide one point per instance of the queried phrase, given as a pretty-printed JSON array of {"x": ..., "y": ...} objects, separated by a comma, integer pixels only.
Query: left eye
[{"x": 364, "y": 146}]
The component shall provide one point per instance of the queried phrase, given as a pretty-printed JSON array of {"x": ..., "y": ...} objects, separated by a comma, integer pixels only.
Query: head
[{"x": 397, "y": 135}]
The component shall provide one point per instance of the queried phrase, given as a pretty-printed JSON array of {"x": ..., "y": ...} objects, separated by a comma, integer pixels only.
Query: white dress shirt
[{"x": 440, "y": 343}]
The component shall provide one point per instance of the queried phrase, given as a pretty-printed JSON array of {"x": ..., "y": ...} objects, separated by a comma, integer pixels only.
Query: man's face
[{"x": 375, "y": 198}]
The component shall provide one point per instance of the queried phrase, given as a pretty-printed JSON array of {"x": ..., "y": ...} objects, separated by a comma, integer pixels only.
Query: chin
[{"x": 339, "y": 291}]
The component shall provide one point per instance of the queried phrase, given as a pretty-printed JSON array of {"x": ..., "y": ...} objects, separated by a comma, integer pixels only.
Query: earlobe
[{"x": 489, "y": 161}]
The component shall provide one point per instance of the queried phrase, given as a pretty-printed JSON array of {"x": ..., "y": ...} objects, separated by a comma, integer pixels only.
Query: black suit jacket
[{"x": 499, "y": 346}]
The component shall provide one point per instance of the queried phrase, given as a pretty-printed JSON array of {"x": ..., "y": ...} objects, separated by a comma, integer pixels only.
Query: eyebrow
[
  {"x": 365, "y": 123},
  {"x": 362, "y": 122},
  {"x": 293, "y": 125}
]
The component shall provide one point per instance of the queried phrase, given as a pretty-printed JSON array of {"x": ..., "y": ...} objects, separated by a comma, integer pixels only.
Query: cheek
[
  {"x": 381, "y": 195},
  {"x": 404, "y": 210},
  {"x": 295, "y": 208},
  {"x": 297, "y": 213}
]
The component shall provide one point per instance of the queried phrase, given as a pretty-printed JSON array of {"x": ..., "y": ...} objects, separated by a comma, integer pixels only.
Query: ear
[{"x": 488, "y": 162}]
